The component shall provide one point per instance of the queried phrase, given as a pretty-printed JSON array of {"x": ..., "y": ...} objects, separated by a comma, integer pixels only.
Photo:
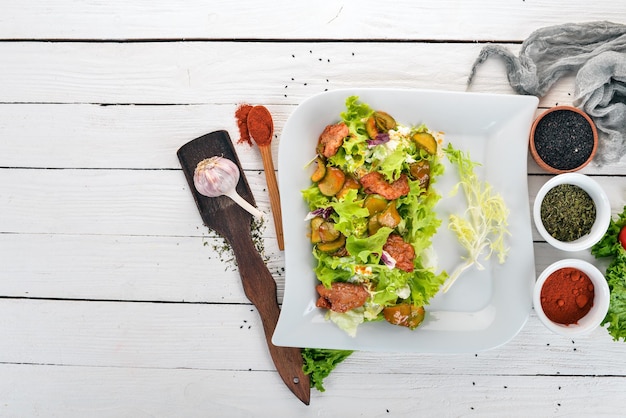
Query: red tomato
[{"x": 622, "y": 237}]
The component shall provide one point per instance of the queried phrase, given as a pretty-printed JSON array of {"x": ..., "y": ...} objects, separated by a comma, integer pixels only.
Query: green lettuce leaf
[
  {"x": 610, "y": 246},
  {"x": 350, "y": 217},
  {"x": 331, "y": 269},
  {"x": 314, "y": 197},
  {"x": 318, "y": 363},
  {"x": 616, "y": 278},
  {"x": 368, "y": 249},
  {"x": 348, "y": 321}
]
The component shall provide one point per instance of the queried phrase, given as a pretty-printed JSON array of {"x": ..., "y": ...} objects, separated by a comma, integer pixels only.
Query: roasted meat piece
[
  {"x": 341, "y": 297},
  {"x": 401, "y": 251},
  {"x": 375, "y": 183},
  {"x": 331, "y": 139}
]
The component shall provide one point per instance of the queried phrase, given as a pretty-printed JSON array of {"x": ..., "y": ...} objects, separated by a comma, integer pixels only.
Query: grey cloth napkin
[{"x": 596, "y": 53}]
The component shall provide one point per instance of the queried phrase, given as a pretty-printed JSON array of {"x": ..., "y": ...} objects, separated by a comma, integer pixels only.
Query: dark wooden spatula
[{"x": 233, "y": 223}]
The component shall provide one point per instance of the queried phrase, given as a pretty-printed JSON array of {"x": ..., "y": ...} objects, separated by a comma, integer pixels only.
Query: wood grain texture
[
  {"x": 193, "y": 72},
  {"x": 233, "y": 223},
  {"x": 273, "y": 193},
  {"x": 227, "y": 337},
  {"x": 130, "y": 392},
  {"x": 141, "y": 202},
  {"x": 116, "y": 301},
  {"x": 283, "y": 19}
]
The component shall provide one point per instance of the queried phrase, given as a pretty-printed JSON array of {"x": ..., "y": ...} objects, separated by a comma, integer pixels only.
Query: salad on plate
[{"x": 372, "y": 218}]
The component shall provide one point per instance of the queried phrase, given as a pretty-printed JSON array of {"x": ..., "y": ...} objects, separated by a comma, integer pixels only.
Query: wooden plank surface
[
  {"x": 145, "y": 137},
  {"x": 230, "y": 337},
  {"x": 284, "y": 19},
  {"x": 115, "y": 300},
  {"x": 137, "y": 392}
]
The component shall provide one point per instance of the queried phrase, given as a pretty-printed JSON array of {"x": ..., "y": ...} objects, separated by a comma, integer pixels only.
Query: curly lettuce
[
  {"x": 610, "y": 246},
  {"x": 484, "y": 224},
  {"x": 364, "y": 259}
]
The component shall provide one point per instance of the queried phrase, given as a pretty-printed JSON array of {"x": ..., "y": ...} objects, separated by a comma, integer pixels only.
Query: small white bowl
[
  {"x": 603, "y": 211},
  {"x": 600, "y": 300}
]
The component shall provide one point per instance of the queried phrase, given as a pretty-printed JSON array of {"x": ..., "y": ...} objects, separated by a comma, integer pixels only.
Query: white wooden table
[{"x": 115, "y": 300}]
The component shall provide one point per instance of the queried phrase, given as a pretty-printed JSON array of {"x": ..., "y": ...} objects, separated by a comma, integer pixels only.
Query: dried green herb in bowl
[
  {"x": 567, "y": 212},
  {"x": 571, "y": 212}
]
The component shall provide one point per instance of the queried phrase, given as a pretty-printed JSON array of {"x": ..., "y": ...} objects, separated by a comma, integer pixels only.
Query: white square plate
[{"x": 483, "y": 309}]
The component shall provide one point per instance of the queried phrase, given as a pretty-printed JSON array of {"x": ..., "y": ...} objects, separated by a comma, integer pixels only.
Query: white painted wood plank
[
  {"x": 421, "y": 19},
  {"x": 149, "y": 268},
  {"x": 196, "y": 72},
  {"x": 227, "y": 72},
  {"x": 229, "y": 337},
  {"x": 284, "y": 73},
  {"x": 130, "y": 268},
  {"x": 33, "y": 390},
  {"x": 37, "y": 135},
  {"x": 93, "y": 136},
  {"x": 139, "y": 202},
  {"x": 109, "y": 202}
]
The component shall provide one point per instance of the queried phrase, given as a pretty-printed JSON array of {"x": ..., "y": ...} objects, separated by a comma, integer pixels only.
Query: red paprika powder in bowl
[{"x": 571, "y": 297}]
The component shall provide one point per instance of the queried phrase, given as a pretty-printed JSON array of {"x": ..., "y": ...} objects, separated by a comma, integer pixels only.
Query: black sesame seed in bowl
[{"x": 563, "y": 139}]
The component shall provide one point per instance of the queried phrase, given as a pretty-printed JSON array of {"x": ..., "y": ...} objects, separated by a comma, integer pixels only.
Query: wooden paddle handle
[
  {"x": 272, "y": 187},
  {"x": 260, "y": 288}
]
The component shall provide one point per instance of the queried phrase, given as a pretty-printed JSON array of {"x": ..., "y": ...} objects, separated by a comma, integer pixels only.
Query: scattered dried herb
[
  {"x": 225, "y": 252},
  {"x": 567, "y": 212}
]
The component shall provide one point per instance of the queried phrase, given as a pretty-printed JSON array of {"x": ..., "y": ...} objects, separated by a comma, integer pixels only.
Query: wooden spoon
[{"x": 261, "y": 129}]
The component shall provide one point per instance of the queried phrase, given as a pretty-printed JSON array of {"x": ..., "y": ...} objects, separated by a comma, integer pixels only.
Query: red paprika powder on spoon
[{"x": 567, "y": 296}]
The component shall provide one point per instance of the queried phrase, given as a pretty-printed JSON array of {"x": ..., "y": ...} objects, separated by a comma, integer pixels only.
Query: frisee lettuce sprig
[{"x": 483, "y": 225}]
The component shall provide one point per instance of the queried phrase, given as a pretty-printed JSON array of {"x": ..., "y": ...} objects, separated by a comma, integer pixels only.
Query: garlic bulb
[{"x": 218, "y": 176}]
